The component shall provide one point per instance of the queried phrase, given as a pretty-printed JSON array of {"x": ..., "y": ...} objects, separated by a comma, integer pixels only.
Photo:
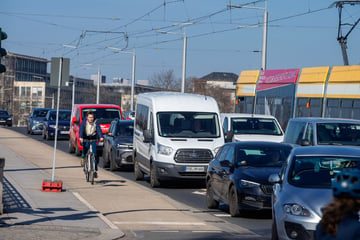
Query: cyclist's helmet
[{"x": 347, "y": 184}]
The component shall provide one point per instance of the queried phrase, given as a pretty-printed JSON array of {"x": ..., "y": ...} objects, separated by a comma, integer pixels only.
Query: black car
[
  {"x": 49, "y": 124},
  {"x": 238, "y": 175},
  {"x": 118, "y": 144},
  {"x": 5, "y": 118}
]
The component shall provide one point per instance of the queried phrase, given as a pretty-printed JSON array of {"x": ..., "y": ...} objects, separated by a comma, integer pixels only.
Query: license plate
[
  {"x": 194, "y": 169},
  {"x": 64, "y": 132}
]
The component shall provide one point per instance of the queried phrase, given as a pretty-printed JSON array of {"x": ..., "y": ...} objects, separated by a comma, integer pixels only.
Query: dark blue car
[
  {"x": 5, "y": 118},
  {"x": 238, "y": 175},
  {"x": 118, "y": 144},
  {"x": 49, "y": 124}
]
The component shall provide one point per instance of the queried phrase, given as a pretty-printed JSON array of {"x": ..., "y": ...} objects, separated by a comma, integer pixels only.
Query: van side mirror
[
  {"x": 147, "y": 136},
  {"x": 229, "y": 136}
]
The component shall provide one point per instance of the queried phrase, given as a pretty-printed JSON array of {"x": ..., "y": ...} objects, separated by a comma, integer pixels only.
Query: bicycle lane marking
[{"x": 100, "y": 215}]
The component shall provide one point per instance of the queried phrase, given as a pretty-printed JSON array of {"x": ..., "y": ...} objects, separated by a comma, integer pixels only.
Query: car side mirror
[
  {"x": 226, "y": 163},
  {"x": 274, "y": 178},
  {"x": 74, "y": 121},
  {"x": 304, "y": 142}
]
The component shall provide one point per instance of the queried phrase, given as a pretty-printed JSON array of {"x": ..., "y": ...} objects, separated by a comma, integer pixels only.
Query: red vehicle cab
[{"x": 104, "y": 114}]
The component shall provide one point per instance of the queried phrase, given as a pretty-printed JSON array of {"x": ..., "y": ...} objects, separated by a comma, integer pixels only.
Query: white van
[
  {"x": 251, "y": 127},
  {"x": 176, "y": 136}
]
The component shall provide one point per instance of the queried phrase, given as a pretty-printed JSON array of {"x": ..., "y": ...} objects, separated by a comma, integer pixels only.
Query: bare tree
[
  {"x": 220, "y": 94},
  {"x": 165, "y": 80}
]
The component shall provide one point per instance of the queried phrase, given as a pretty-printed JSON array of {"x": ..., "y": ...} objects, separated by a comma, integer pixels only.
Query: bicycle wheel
[
  {"x": 92, "y": 168},
  {"x": 87, "y": 167}
]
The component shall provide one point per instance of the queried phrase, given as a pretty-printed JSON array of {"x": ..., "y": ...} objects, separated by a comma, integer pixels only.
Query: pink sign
[{"x": 277, "y": 78}]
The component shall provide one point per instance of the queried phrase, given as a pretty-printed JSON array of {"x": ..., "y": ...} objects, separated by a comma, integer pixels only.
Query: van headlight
[{"x": 164, "y": 150}]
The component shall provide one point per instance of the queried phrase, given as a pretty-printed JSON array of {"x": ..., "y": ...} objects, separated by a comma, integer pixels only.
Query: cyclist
[
  {"x": 89, "y": 129},
  {"x": 341, "y": 217}
]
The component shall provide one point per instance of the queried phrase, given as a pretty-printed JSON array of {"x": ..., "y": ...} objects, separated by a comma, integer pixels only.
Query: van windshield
[
  {"x": 188, "y": 124},
  {"x": 266, "y": 126},
  {"x": 103, "y": 115}
]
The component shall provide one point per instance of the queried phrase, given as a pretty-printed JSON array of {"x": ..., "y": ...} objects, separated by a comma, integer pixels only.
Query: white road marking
[
  {"x": 163, "y": 223},
  {"x": 102, "y": 217},
  {"x": 200, "y": 192},
  {"x": 222, "y": 215}
]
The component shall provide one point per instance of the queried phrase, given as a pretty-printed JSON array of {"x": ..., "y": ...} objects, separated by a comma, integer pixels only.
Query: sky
[{"x": 222, "y": 35}]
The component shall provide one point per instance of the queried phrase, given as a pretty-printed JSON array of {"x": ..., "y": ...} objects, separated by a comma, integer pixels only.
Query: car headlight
[
  {"x": 296, "y": 209},
  {"x": 165, "y": 150},
  {"x": 35, "y": 121},
  {"x": 248, "y": 184},
  {"x": 9, "y": 119},
  {"x": 52, "y": 126}
]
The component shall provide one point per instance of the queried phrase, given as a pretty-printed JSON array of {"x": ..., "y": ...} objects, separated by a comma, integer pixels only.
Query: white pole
[
  {"x": 133, "y": 81},
  {"x": 73, "y": 94},
  {"x": 183, "y": 66},
  {"x": 57, "y": 119},
  {"x": 98, "y": 87}
]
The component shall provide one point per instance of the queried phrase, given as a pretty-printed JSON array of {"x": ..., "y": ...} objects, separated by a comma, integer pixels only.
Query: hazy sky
[{"x": 220, "y": 38}]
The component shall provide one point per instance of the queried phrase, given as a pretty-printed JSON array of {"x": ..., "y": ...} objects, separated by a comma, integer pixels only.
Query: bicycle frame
[{"x": 89, "y": 166}]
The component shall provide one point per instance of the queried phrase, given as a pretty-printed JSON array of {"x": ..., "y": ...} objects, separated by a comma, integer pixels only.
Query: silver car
[{"x": 303, "y": 187}]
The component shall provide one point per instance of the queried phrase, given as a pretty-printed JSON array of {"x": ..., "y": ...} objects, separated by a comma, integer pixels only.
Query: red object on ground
[{"x": 51, "y": 186}]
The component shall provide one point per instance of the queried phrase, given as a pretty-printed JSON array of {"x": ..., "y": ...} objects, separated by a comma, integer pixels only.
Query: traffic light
[{"x": 3, "y": 52}]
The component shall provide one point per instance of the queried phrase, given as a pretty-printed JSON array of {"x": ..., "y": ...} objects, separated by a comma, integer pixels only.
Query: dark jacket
[
  {"x": 82, "y": 131},
  {"x": 349, "y": 229}
]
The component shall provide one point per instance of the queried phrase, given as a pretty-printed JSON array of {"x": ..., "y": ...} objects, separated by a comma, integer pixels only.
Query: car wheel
[
  {"x": 139, "y": 175},
  {"x": 105, "y": 160},
  {"x": 71, "y": 149},
  {"x": 274, "y": 233},
  {"x": 47, "y": 136},
  {"x": 112, "y": 163},
  {"x": 233, "y": 203},
  {"x": 43, "y": 134},
  {"x": 210, "y": 201},
  {"x": 154, "y": 181},
  {"x": 28, "y": 130}
]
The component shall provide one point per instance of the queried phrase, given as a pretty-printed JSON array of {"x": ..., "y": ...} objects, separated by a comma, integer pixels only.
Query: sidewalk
[{"x": 105, "y": 210}]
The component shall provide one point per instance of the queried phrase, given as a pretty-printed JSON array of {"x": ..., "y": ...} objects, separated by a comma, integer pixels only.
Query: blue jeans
[{"x": 86, "y": 147}]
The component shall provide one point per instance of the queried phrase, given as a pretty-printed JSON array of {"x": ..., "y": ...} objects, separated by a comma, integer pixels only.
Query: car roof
[
  {"x": 93, "y": 105},
  {"x": 247, "y": 115},
  {"x": 327, "y": 150},
  {"x": 317, "y": 119},
  {"x": 260, "y": 144}
]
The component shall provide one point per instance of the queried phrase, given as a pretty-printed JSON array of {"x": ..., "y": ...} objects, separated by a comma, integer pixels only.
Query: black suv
[
  {"x": 5, "y": 118},
  {"x": 118, "y": 144}
]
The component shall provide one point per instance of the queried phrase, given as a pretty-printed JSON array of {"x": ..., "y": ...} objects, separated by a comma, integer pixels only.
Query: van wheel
[
  {"x": 139, "y": 175},
  {"x": 71, "y": 149},
  {"x": 154, "y": 181}
]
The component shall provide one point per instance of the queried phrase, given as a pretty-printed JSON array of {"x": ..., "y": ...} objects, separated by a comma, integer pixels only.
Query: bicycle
[{"x": 89, "y": 164}]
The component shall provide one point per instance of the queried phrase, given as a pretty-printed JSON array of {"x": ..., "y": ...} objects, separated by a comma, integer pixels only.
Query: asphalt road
[{"x": 189, "y": 193}]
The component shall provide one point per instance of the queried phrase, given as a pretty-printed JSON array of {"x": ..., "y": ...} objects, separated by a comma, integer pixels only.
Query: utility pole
[
  {"x": 98, "y": 86},
  {"x": 343, "y": 39}
]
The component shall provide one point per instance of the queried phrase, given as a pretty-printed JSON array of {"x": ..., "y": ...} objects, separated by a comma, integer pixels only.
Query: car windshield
[
  {"x": 265, "y": 126},
  {"x": 124, "y": 130},
  {"x": 104, "y": 115},
  {"x": 262, "y": 157},
  {"x": 4, "y": 113},
  {"x": 63, "y": 116},
  {"x": 40, "y": 113},
  {"x": 318, "y": 171},
  {"x": 188, "y": 124},
  {"x": 338, "y": 133}
]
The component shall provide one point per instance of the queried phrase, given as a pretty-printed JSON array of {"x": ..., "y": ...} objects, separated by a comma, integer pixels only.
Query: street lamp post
[
  {"x": 118, "y": 50},
  {"x": 183, "y": 75}
]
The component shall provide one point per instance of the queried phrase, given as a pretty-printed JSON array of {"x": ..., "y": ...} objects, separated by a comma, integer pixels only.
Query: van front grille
[{"x": 193, "y": 156}]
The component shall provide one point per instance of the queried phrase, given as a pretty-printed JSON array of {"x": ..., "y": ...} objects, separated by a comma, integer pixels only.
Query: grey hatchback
[{"x": 303, "y": 187}]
